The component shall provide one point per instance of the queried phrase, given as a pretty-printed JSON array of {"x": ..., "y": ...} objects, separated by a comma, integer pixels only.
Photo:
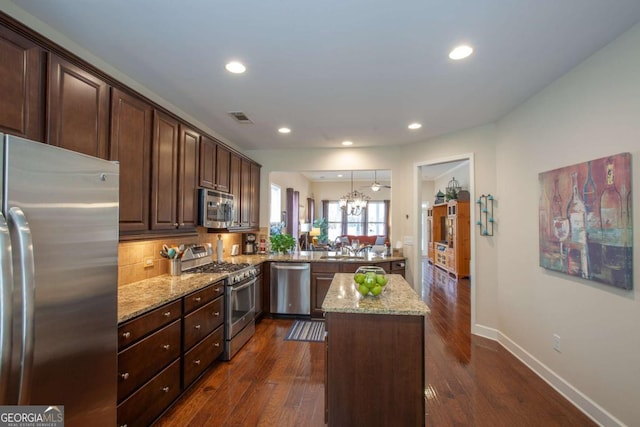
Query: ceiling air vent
[{"x": 240, "y": 117}]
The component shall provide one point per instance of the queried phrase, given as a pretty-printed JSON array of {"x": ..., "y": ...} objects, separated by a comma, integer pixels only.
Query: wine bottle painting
[{"x": 585, "y": 220}]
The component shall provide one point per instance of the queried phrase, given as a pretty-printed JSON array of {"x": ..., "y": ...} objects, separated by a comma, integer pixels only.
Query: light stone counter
[
  {"x": 139, "y": 297},
  {"x": 398, "y": 298}
]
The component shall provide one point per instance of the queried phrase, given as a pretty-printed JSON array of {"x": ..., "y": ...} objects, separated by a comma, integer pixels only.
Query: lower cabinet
[
  {"x": 144, "y": 406},
  {"x": 162, "y": 352}
]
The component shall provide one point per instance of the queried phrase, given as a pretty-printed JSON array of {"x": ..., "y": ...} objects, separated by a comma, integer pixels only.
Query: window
[
  {"x": 373, "y": 222},
  {"x": 275, "y": 215}
]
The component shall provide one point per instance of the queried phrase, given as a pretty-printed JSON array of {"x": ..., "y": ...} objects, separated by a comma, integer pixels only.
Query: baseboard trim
[{"x": 590, "y": 408}]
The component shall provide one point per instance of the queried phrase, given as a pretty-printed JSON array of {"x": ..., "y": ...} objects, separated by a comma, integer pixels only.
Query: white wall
[{"x": 592, "y": 112}]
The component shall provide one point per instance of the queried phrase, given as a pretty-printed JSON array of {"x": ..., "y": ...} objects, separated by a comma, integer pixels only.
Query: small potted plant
[{"x": 282, "y": 243}]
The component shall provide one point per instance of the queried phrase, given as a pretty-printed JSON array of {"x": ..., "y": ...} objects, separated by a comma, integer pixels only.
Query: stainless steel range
[{"x": 239, "y": 295}]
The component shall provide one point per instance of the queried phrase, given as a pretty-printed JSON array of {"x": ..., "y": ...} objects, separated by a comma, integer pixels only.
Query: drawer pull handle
[
  {"x": 124, "y": 425},
  {"x": 216, "y": 313},
  {"x": 166, "y": 346},
  {"x": 197, "y": 327},
  {"x": 196, "y": 362},
  {"x": 124, "y": 376},
  {"x": 165, "y": 389},
  {"x": 197, "y": 299},
  {"x": 126, "y": 335},
  {"x": 219, "y": 289},
  {"x": 216, "y": 344},
  {"x": 167, "y": 313}
]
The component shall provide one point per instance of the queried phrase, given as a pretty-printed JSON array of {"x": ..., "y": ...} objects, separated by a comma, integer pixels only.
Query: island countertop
[{"x": 398, "y": 298}]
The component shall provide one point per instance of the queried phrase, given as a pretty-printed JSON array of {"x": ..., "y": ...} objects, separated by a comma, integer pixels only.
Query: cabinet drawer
[
  {"x": 397, "y": 265},
  {"x": 138, "y": 363},
  {"x": 203, "y": 296},
  {"x": 202, "y": 355},
  {"x": 144, "y": 406},
  {"x": 325, "y": 267},
  {"x": 201, "y": 322},
  {"x": 133, "y": 330}
]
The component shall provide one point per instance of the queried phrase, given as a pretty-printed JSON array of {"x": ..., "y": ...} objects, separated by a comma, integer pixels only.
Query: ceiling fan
[{"x": 376, "y": 186}]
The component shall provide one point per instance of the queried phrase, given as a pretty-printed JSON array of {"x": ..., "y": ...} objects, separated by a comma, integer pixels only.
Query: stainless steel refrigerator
[{"x": 59, "y": 256}]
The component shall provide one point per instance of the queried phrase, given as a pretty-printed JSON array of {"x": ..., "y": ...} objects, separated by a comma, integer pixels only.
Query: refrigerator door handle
[
  {"x": 6, "y": 311},
  {"x": 19, "y": 225}
]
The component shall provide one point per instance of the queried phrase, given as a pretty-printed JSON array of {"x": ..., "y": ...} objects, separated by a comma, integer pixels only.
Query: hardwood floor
[{"x": 471, "y": 381}]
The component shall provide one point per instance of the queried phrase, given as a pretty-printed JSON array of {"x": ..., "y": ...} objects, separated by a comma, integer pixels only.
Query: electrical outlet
[
  {"x": 148, "y": 262},
  {"x": 556, "y": 342}
]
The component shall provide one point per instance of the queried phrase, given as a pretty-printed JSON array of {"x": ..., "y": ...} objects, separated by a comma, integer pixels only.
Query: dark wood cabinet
[
  {"x": 78, "y": 109},
  {"x": 254, "y": 207},
  {"x": 386, "y": 360},
  {"x": 149, "y": 359},
  {"x": 244, "y": 184},
  {"x": 245, "y": 193},
  {"x": 131, "y": 131},
  {"x": 164, "y": 172},
  {"x": 21, "y": 86},
  {"x": 214, "y": 165},
  {"x": 203, "y": 334},
  {"x": 223, "y": 156},
  {"x": 321, "y": 276},
  {"x": 188, "y": 178},
  {"x": 235, "y": 182}
]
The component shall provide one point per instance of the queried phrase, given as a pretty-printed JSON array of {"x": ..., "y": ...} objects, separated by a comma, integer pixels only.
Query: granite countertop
[
  {"x": 137, "y": 298},
  {"x": 398, "y": 298}
]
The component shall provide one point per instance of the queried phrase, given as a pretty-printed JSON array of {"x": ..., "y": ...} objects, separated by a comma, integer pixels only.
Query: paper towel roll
[{"x": 219, "y": 250}]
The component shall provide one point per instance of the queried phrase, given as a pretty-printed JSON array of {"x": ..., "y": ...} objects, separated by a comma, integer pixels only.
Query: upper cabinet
[
  {"x": 51, "y": 96},
  {"x": 164, "y": 167},
  {"x": 21, "y": 86},
  {"x": 214, "y": 165},
  {"x": 188, "y": 178},
  {"x": 78, "y": 109},
  {"x": 130, "y": 145}
]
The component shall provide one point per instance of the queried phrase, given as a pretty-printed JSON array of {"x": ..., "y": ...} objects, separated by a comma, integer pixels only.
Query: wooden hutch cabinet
[{"x": 450, "y": 231}]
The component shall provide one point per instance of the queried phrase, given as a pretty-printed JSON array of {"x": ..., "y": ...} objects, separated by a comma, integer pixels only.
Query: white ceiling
[{"x": 333, "y": 70}]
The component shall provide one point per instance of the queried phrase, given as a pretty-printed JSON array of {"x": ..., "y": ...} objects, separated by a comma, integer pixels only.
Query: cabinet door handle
[
  {"x": 126, "y": 335},
  {"x": 182, "y": 224},
  {"x": 165, "y": 389},
  {"x": 175, "y": 224},
  {"x": 166, "y": 346},
  {"x": 124, "y": 425},
  {"x": 197, "y": 327},
  {"x": 124, "y": 376},
  {"x": 219, "y": 289},
  {"x": 196, "y": 362},
  {"x": 197, "y": 299},
  {"x": 216, "y": 344},
  {"x": 167, "y": 314},
  {"x": 216, "y": 313}
]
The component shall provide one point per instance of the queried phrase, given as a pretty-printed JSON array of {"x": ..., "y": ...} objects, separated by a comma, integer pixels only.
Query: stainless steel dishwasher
[{"x": 290, "y": 288}]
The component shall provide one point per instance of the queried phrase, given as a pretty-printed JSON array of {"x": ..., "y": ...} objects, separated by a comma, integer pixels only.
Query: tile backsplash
[{"x": 132, "y": 255}]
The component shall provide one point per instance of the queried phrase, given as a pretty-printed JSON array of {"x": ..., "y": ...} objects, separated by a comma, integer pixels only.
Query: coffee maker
[{"x": 249, "y": 244}]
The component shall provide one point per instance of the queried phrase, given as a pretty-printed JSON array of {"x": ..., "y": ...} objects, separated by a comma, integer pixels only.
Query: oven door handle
[{"x": 246, "y": 285}]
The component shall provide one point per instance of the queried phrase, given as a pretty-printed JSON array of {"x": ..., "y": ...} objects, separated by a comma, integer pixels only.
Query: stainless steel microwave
[{"x": 216, "y": 209}]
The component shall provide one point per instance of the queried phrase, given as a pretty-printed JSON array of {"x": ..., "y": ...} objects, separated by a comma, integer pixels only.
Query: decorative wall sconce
[{"x": 485, "y": 219}]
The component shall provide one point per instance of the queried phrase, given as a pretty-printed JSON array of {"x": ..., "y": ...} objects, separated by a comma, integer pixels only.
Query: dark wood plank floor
[{"x": 471, "y": 381}]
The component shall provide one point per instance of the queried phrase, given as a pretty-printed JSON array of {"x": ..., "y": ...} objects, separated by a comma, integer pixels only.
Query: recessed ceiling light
[
  {"x": 414, "y": 126},
  {"x": 235, "y": 67},
  {"x": 284, "y": 130},
  {"x": 339, "y": 175},
  {"x": 347, "y": 143},
  {"x": 460, "y": 52}
]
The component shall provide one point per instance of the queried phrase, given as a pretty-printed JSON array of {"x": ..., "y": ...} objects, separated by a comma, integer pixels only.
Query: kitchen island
[{"x": 375, "y": 355}]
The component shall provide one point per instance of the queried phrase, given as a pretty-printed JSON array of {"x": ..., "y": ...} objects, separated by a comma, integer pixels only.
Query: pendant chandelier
[{"x": 355, "y": 202}]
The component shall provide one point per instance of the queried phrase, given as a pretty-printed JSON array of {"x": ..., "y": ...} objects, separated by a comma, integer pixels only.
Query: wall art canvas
[{"x": 585, "y": 220}]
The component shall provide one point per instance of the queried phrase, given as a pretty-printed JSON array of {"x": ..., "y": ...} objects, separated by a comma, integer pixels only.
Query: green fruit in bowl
[
  {"x": 381, "y": 279},
  {"x": 363, "y": 290},
  {"x": 376, "y": 290},
  {"x": 370, "y": 280},
  {"x": 359, "y": 278}
]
